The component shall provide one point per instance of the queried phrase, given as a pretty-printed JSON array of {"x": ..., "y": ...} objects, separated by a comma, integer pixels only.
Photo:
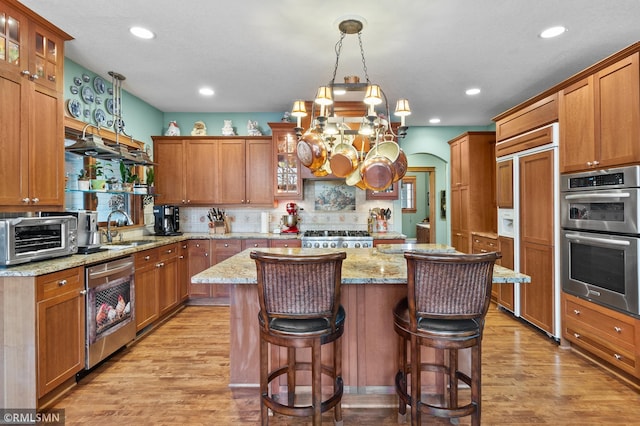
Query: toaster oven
[{"x": 27, "y": 239}]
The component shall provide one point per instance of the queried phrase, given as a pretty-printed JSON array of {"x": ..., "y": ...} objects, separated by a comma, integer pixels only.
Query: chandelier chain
[
  {"x": 338, "y": 49},
  {"x": 364, "y": 63}
]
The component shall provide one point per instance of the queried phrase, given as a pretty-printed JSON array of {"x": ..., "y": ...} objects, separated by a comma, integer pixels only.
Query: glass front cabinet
[{"x": 287, "y": 178}]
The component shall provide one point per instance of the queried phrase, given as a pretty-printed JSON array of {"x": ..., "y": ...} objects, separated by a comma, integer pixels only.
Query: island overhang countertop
[{"x": 384, "y": 264}]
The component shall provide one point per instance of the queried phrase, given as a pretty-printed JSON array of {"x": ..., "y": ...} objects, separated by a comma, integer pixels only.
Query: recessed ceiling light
[
  {"x": 205, "y": 91},
  {"x": 473, "y": 91},
  {"x": 553, "y": 32},
  {"x": 142, "y": 33},
  {"x": 434, "y": 120}
]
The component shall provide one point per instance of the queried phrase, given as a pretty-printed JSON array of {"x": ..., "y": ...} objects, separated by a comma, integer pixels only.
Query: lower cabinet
[
  {"x": 505, "y": 291},
  {"x": 486, "y": 243},
  {"x": 183, "y": 271},
  {"x": 292, "y": 243},
  {"x": 199, "y": 259},
  {"x": 156, "y": 283},
  {"x": 377, "y": 241},
  {"x": 60, "y": 327},
  {"x": 607, "y": 334}
]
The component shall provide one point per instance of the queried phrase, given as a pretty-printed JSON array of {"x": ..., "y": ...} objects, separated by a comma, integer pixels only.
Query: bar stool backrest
[
  {"x": 299, "y": 286},
  {"x": 451, "y": 285}
]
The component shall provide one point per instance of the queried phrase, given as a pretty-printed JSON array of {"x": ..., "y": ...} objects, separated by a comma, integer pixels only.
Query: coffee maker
[{"x": 167, "y": 220}]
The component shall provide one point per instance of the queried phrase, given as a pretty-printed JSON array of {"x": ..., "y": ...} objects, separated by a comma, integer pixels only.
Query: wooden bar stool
[
  {"x": 447, "y": 300},
  {"x": 300, "y": 307}
]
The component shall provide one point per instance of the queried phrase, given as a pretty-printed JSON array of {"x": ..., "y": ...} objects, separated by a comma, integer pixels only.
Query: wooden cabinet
[
  {"x": 610, "y": 335},
  {"x": 156, "y": 283},
  {"x": 245, "y": 171},
  {"x": 504, "y": 184},
  {"x": 537, "y": 299},
  {"x": 146, "y": 288},
  {"x": 472, "y": 187},
  {"x": 423, "y": 232},
  {"x": 485, "y": 243},
  {"x": 541, "y": 111},
  {"x": 377, "y": 241},
  {"x": 289, "y": 243},
  {"x": 287, "y": 179},
  {"x": 167, "y": 276},
  {"x": 505, "y": 291},
  {"x": 391, "y": 193},
  {"x": 184, "y": 172},
  {"x": 32, "y": 135},
  {"x": 254, "y": 243},
  {"x": 60, "y": 327},
  {"x": 600, "y": 118},
  {"x": 199, "y": 260},
  {"x": 183, "y": 271}
]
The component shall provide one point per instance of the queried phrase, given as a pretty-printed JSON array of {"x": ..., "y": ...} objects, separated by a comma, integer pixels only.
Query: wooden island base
[{"x": 370, "y": 358}]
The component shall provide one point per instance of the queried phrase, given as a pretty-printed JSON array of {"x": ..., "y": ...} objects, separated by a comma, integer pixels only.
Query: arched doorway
[{"x": 422, "y": 200}]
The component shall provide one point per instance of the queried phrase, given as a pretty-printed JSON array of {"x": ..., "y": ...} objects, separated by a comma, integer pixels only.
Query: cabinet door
[
  {"x": 287, "y": 182},
  {"x": 456, "y": 178},
  {"x": 537, "y": 297},
  {"x": 167, "y": 284},
  {"x": 536, "y": 198},
  {"x": 47, "y": 58},
  {"x": 183, "y": 272},
  {"x": 13, "y": 38},
  {"x": 617, "y": 93},
  {"x": 259, "y": 172},
  {"x": 46, "y": 150},
  {"x": 147, "y": 300},
  {"x": 504, "y": 184},
  {"x": 200, "y": 185},
  {"x": 231, "y": 171},
  {"x": 168, "y": 154},
  {"x": 577, "y": 123},
  {"x": 60, "y": 328},
  {"x": 199, "y": 260},
  {"x": 505, "y": 291}
]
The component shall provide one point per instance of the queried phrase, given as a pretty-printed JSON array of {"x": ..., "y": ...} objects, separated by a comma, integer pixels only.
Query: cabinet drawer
[
  {"x": 168, "y": 251},
  {"x": 290, "y": 243},
  {"x": 146, "y": 257},
  {"x": 482, "y": 244},
  {"x": 234, "y": 245},
  {"x": 606, "y": 326},
  {"x": 61, "y": 282},
  {"x": 616, "y": 355},
  {"x": 255, "y": 243}
]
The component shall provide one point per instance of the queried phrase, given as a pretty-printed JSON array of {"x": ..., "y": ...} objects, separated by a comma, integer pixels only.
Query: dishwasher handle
[{"x": 110, "y": 271}]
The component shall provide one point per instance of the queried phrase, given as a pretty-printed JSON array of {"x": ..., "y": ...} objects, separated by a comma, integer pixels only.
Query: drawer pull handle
[
  {"x": 618, "y": 357},
  {"x": 577, "y": 312},
  {"x": 147, "y": 257},
  {"x": 618, "y": 329},
  {"x": 576, "y": 335},
  {"x": 62, "y": 282},
  {"x": 226, "y": 245},
  {"x": 83, "y": 292}
]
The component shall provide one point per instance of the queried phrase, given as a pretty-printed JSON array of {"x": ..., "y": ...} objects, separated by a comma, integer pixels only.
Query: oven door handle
[
  {"x": 110, "y": 272},
  {"x": 597, "y": 240},
  {"x": 596, "y": 196}
]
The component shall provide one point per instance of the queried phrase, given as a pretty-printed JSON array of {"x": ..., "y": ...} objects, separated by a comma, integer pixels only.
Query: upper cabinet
[
  {"x": 245, "y": 171},
  {"x": 600, "y": 118},
  {"x": 32, "y": 134},
  {"x": 202, "y": 170},
  {"x": 287, "y": 179}
]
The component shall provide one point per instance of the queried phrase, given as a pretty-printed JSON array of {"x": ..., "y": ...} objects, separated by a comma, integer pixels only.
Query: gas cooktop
[{"x": 333, "y": 233}]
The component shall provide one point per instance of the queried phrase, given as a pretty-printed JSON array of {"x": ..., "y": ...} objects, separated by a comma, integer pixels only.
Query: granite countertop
[
  {"x": 362, "y": 266},
  {"x": 43, "y": 267}
]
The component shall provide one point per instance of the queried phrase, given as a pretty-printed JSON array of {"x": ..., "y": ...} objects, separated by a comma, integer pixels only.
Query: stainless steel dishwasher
[{"x": 110, "y": 308}]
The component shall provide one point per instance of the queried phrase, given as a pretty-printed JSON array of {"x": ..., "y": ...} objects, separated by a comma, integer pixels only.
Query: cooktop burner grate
[{"x": 334, "y": 233}]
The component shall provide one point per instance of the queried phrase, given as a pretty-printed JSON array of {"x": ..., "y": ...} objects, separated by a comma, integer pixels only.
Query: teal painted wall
[{"x": 215, "y": 121}]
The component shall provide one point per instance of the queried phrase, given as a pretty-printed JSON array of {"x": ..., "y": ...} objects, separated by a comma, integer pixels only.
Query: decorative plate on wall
[
  {"x": 108, "y": 104},
  {"x": 74, "y": 90},
  {"x": 98, "y": 84},
  {"x": 86, "y": 78},
  {"x": 77, "y": 81},
  {"x": 74, "y": 108},
  {"x": 100, "y": 117},
  {"x": 87, "y": 94}
]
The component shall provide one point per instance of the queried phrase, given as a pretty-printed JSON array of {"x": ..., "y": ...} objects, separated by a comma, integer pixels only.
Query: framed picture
[
  {"x": 334, "y": 196},
  {"x": 443, "y": 204}
]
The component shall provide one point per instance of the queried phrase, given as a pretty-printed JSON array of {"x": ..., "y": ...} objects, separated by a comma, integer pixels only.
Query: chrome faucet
[{"x": 110, "y": 234}]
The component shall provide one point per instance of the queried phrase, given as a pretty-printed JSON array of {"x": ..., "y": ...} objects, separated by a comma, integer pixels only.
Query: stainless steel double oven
[{"x": 600, "y": 234}]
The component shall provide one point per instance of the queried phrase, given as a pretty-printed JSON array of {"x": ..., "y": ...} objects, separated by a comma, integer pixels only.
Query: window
[{"x": 408, "y": 194}]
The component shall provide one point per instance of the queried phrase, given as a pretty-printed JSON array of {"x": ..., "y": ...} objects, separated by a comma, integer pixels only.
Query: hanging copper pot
[
  {"x": 344, "y": 160},
  {"x": 312, "y": 151}
]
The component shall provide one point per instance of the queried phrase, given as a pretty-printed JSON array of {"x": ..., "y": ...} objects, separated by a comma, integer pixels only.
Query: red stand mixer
[{"x": 290, "y": 220}]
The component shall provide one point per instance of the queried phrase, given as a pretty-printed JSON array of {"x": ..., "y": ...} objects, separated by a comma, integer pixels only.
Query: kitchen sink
[{"x": 121, "y": 245}]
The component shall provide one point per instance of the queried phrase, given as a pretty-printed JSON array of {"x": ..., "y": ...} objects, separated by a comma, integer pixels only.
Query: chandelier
[{"x": 362, "y": 149}]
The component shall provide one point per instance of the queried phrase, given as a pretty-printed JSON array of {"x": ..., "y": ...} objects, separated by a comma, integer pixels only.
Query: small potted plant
[
  {"x": 151, "y": 178},
  {"x": 98, "y": 182},
  {"x": 83, "y": 180},
  {"x": 128, "y": 177}
]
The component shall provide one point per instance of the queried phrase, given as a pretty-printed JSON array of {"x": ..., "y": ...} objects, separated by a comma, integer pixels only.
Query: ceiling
[{"x": 260, "y": 56}]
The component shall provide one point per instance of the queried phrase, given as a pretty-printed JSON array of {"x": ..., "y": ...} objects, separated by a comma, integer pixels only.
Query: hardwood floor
[{"x": 178, "y": 376}]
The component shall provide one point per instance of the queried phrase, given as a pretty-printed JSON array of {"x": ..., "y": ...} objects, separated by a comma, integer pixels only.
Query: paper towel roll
[{"x": 264, "y": 222}]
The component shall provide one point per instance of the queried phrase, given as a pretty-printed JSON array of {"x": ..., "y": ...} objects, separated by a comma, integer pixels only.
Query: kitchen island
[{"x": 373, "y": 281}]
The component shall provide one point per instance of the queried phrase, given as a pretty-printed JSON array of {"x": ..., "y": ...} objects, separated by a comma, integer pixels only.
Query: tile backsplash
[{"x": 247, "y": 219}]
